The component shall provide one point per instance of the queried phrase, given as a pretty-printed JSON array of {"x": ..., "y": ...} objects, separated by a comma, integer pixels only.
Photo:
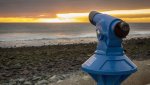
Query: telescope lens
[
  {"x": 91, "y": 15},
  {"x": 122, "y": 29}
]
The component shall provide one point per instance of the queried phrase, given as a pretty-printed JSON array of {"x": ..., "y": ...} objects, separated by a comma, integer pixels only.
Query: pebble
[
  {"x": 60, "y": 77},
  {"x": 85, "y": 77},
  {"x": 59, "y": 81},
  {"x": 35, "y": 78},
  {"x": 21, "y": 80},
  {"x": 16, "y": 66},
  {"x": 42, "y": 82},
  {"x": 25, "y": 72},
  {"x": 53, "y": 77},
  {"x": 27, "y": 83},
  {"x": 12, "y": 82}
]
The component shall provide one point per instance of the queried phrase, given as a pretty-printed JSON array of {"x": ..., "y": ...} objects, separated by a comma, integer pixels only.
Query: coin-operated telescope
[{"x": 109, "y": 65}]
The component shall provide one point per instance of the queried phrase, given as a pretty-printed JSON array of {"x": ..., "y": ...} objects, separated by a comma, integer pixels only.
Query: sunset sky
[{"x": 66, "y": 11}]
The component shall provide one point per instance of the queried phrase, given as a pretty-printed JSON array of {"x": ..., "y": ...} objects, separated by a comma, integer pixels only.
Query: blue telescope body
[{"x": 109, "y": 65}]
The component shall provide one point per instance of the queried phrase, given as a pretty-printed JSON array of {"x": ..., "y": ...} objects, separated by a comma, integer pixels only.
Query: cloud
[
  {"x": 139, "y": 15},
  {"x": 34, "y": 8}
]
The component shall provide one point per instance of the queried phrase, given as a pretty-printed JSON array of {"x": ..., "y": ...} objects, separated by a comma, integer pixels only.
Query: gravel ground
[{"x": 48, "y": 64}]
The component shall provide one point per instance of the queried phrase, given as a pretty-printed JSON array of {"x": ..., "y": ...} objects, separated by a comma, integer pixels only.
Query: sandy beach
[
  {"x": 60, "y": 64},
  {"x": 44, "y": 42}
]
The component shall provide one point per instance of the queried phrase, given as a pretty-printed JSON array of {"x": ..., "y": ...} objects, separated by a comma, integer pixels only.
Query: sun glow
[
  {"x": 139, "y": 15},
  {"x": 17, "y": 19}
]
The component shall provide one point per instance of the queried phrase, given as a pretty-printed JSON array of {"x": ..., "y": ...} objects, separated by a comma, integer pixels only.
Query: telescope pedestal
[{"x": 109, "y": 70}]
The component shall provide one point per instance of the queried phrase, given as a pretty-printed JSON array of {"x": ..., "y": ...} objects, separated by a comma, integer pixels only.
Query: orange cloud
[{"x": 139, "y": 15}]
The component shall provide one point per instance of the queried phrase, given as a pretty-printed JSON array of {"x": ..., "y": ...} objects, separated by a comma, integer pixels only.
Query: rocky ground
[{"x": 48, "y": 64}]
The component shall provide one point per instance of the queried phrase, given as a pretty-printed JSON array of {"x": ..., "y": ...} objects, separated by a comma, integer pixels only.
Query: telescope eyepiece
[
  {"x": 91, "y": 16},
  {"x": 122, "y": 29}
]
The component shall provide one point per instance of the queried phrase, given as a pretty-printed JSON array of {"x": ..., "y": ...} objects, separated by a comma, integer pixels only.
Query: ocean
[{"x": 56, "y": 31}]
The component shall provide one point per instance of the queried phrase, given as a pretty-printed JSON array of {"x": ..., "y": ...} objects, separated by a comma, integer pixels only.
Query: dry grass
[{"x": 141, "y": 77}]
